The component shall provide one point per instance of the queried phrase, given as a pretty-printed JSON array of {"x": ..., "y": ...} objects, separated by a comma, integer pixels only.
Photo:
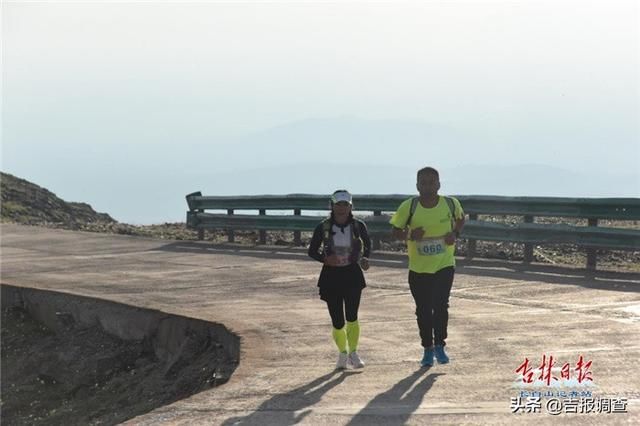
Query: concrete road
[{"x": 500, "y": 314}]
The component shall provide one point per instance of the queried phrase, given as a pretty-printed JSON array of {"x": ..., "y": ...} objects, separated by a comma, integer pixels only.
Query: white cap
[{"x": 341, "y": 196}]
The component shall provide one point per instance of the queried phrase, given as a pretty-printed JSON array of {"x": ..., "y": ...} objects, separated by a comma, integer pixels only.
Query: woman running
[{"x": 342, "y": 244}]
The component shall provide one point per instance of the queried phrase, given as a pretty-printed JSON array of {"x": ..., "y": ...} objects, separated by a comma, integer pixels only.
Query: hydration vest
[{"x": 356, "y": 241}]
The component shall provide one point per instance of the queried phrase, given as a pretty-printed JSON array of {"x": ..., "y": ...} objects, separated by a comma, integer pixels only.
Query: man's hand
[
  {"x": 364, "y": 263},
  {"x": 332, "y": 260},
  {"x": 416, "y": 234},
  {"x": 398, "y": 234},
  {"x": 450, "y": 238}
]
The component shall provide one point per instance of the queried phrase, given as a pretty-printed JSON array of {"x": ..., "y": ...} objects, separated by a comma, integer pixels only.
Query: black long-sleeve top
[{"x": 317, "y": 241}]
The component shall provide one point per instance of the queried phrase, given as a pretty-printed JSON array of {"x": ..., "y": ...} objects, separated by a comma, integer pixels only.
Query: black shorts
[{"x": 335, "y": 280}]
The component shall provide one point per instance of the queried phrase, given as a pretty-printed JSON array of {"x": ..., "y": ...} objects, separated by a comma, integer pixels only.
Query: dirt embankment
[{"x": 72, "y": 371}]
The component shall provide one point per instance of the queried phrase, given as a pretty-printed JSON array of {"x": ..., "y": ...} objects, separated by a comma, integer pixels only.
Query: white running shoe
[
  {"x": 355, "y": 361},
  {"x": 342, "y": 361}
]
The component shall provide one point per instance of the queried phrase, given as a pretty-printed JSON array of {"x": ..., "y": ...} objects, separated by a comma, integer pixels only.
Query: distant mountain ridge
[
  {"x": 520, "y": 180},
  {"x": 349, "y": 140},
  {"x": 27, "y": 203}
]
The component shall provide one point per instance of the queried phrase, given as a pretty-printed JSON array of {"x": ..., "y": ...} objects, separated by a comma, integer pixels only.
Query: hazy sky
[{"x": 141, "y": 90}]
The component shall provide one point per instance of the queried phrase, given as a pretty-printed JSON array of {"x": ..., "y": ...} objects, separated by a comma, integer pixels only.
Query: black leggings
[
  {"x": 431, "y": 294},
  {"x": 341, "y": 303}
]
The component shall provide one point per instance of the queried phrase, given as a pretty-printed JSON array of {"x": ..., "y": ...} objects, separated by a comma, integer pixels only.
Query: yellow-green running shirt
[{"x": 431, "y": 254}]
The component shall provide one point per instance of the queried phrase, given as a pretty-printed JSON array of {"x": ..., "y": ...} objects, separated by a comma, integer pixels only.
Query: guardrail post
[
  {"x": 230, "y": 234},
  {"x": 528, "y": 247},
  {"x": 200, "y": 230},
  {"x": 263, "y": 233},
  {"x": 376, "y": 239},
  {"x": 591, "y": 252},
  {"x": 471, "y": 244},
  {"x": 296, "y": 234}
]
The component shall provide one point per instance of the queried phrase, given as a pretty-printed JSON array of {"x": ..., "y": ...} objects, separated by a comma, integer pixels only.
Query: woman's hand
[{"x": 364, "y": 263}]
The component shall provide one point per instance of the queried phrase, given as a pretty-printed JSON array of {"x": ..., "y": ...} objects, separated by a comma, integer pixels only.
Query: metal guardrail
[
  {"x": 592, "y": 237},
  {"x": 588, "y": 208},
  {"x": 596, "y": 237}
]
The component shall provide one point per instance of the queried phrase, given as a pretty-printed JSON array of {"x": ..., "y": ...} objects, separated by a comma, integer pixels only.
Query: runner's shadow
[
  {"x": 395, "y": 406},
  {"x": 281, "y": 408}
]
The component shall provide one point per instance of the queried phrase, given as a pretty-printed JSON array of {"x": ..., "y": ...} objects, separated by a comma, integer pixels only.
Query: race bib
[
  {"x": 343, "y": 254},
  {"x": 431, "y": 247}
]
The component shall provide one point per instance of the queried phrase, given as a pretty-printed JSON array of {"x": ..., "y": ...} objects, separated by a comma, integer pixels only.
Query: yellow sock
[
  {"x": 340, "y": 337},
  {"x": 353, "y": 335}
]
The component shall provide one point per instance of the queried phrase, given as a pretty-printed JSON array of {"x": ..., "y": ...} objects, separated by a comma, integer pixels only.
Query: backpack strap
[
  {"x": 355, "y": 228},
  {"x": 452, "y": 209},
  {"x": 450, "y": 203},
  {"x": 356, "y": 241},
  {"x": 412, "y": 210},
  {"x": 326, "y": 233}
]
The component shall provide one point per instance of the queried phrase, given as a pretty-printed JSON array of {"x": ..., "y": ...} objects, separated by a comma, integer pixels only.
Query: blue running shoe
[
  {"x": 441, "y": 355},
  {"x": 427, "y": 359}
]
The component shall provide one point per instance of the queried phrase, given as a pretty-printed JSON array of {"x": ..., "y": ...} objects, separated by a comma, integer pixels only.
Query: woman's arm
[
  {"x": 366, "y": 240},
  {"x": 314, "y": 245}
]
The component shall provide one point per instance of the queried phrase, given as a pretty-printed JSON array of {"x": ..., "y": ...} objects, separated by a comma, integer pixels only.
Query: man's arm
[
  {"x": 450, "y": 238},
  {"x": 398, "y": 234},
  {"x": 459, "y": 222},
  {"x": 399, "y": 221},
  {"x": 403, "y": 234}
]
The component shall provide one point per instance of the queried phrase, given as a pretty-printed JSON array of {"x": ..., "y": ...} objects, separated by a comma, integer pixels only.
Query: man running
[{"x": 430, "y": 224}]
